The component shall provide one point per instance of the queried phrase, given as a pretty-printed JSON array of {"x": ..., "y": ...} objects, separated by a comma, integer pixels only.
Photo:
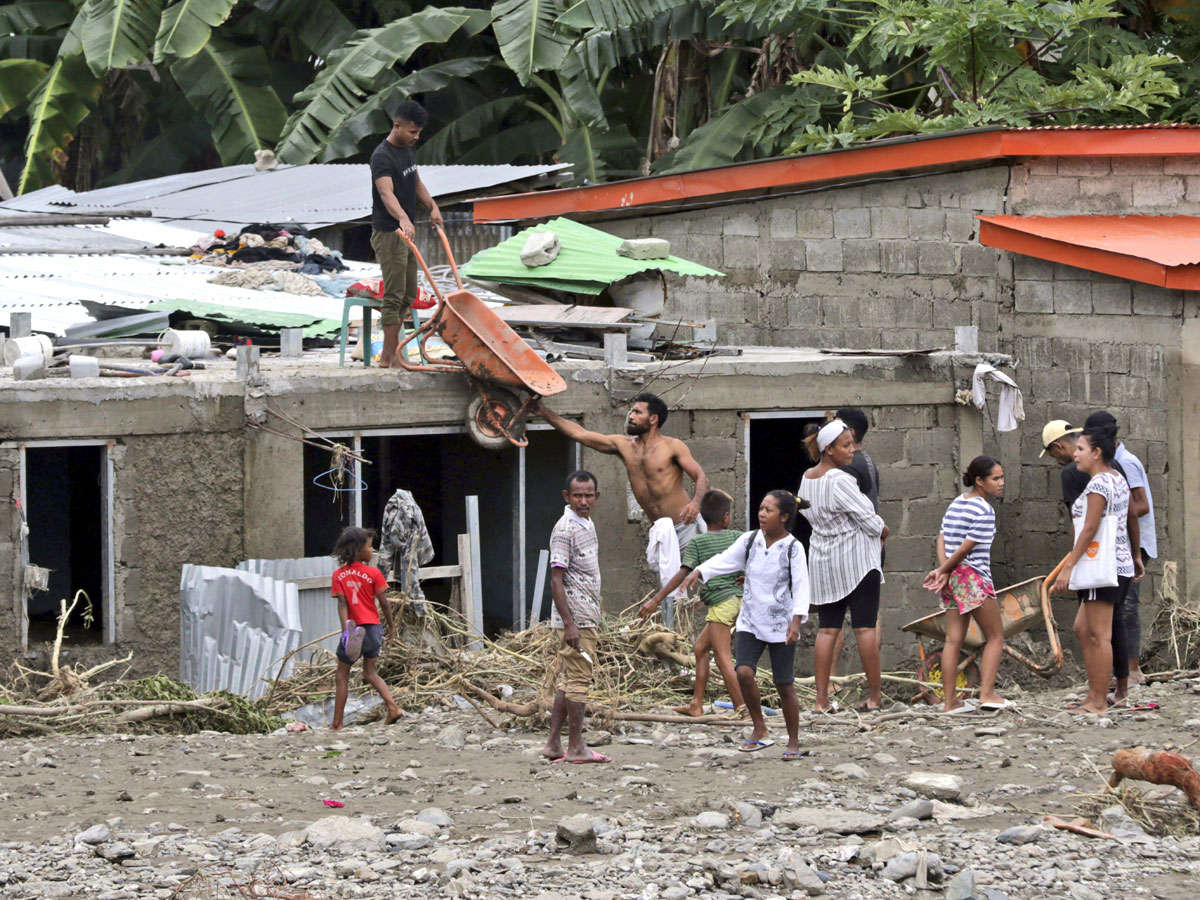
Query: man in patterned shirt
[{"x": 575, "y": 587}]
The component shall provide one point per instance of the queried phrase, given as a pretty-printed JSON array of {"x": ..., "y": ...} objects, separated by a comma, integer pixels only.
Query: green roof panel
[{"x": 586, "y": 264}]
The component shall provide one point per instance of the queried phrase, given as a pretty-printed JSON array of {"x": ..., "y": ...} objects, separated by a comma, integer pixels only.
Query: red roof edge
[
  {"x": 1120, "y": 265},
  {"x": 908, "y": 154}
]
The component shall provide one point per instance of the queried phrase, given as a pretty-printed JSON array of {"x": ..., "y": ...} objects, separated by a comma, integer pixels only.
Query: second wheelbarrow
[
  {"x": 498, "y": 363},
  {"x": 1021, "y": 605}
]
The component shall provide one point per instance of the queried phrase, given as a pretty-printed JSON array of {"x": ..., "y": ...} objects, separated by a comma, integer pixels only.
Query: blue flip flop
[{"x": 752, "y": 746}]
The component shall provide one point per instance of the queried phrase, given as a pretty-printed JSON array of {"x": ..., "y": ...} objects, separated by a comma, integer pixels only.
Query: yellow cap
[{"x": 1055, "y": 430}]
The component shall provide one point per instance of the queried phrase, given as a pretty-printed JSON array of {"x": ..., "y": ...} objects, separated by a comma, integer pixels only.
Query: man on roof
[
  {"x": 655, "y": 465},
  {"x": 396, "y": 191}
]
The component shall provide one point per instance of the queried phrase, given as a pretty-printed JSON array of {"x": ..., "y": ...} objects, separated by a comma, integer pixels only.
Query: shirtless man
[{"x": 655, "y": 464}]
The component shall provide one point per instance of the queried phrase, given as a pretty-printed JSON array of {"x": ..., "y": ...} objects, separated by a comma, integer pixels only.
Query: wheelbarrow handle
[
  {"x": 450, "y": 256},
  {"x": 424, "y": 268}
]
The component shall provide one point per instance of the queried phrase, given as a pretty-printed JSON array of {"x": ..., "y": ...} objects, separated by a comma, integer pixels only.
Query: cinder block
[
  {"x": 902, "y": 418},
  {"x": 917, "y": 312},
  {"x": 927, "y": 224},
  {"x": 1112, "y": 298},
  {"x": 741, "y": 252},
  {"x": 936, "y": 259},
  {"x": 706, "y": 249},
  {"x": 1073, "y": 297},
  {"x": 1128, "y": 391},
  {"x": 1157, "y": 458},
  {"x": 824, "y": 256},
  {"x": 930, "y": 445},
  {"x": 1116, "y": 190},
  {"x": 1162, "y": 192},
  {"x": 911, "y": 553},
  {"x": 783, "y": 223},
  {"x": 924, "y": 516},
  {"x": 1051, "y": 384},
  {"x": 705, "y": 222},
  {"x": 1028, "y": 268},
  {"x": 1149, "y": 300},
  {"x": 980, "y": 261},
  {"x": 740, "y": 226},
  {"x": 1137, "y": 165},
  {"x": 860, "y": 256},
  {"x": 1146, "y": 360},
  {"x": 1040, "y": 165},
  {"x": 814, "y": 223},
  {"x": 851, "y": 223},
  {"x": 787, "y": 258},
  {"x": 907, "y": 483},
  {"x": 645, "y": 248},
  {"x": 803, "y": 311},
  {"x": 1096, "y": 389},
  {"x": 889, "y": 222},
  {"x": 898, "y": 257},
  {"x": 1181, "y": 165},
  {"x": 1092, "y": 166}
]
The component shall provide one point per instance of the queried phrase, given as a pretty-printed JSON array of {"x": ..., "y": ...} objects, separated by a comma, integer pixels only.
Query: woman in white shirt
[
  {"x": 774, "y": 606},
  {"x": 844, "y": 560},
  {"x": 1107, "y": 494}
]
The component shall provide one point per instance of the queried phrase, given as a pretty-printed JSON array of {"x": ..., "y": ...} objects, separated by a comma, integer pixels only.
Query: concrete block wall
[{"x": 890, "y": 264}]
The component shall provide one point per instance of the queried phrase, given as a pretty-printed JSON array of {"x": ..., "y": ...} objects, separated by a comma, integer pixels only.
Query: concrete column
[
  {"x": 1185, "y": 543},
  {"x": 20, "y": 324},
  {"x": 291, "y": 342},
  {"x": 274, "y": 496}
]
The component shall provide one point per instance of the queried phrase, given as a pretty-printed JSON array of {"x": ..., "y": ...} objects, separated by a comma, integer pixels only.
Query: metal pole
[{"x": 475, "y": 601}]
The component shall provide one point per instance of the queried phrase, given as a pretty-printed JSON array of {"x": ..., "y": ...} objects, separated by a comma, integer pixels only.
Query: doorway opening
[
  {"x": 776, "y": 459},
  {"x": 520, "y": 499},
  {"x": 66, "y": 498}
]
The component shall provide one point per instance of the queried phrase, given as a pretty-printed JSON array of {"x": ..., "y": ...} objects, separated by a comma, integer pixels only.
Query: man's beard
[{"x": 636, "y": 430}]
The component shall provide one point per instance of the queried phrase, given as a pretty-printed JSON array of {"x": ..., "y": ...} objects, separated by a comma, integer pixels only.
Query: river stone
[
  {"x": 906, "y": 864},
  {"x": 452, "y": 737},
  {"x": 97, "y": 834},
  {"x": 645, "y": 248},
  {"x": 435, "y": 816},
  {"x": 1020, "y": 834},
  {"x": 936, "y": 785},
  {"x": 962, "y": 886},
  {"x": 913, "y": 809},
  {"x": 712, "y": 821},
  {"x": 345, "y": 833},
  {"x": 839, "y": 821},
  {"x": 576, "y": 835}
]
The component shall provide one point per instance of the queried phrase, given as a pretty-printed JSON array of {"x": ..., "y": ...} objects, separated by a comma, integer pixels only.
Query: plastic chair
[{"x": 367, "y": 305}]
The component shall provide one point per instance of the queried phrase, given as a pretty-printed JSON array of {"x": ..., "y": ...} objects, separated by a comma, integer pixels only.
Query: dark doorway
[
  {"x": 777, "y": 460},
  {"x": 441, "y": 471},
  {"x": 64, "y": 497}
]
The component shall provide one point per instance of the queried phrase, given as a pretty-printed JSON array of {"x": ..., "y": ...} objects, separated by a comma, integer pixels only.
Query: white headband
[{"x": 829, "y": 433}]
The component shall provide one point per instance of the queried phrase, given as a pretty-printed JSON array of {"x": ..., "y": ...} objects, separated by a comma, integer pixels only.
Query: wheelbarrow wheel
[
  {"x": 931, "y": 670},
  {"x": 482, "y": 415}
]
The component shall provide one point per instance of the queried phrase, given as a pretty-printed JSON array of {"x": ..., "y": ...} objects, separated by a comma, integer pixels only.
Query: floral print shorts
[{"x": 966, "y": 590}]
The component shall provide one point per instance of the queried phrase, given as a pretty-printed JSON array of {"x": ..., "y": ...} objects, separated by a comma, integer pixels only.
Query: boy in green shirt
[{"x": 722, "y": 596}]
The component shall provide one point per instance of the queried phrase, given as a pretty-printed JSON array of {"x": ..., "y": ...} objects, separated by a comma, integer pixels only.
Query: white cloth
[
  {"x": 1012, "y": 405},
  {"x": 829, "y": 433},
  {"x": 776, "y": 587},
  {"x": 662, "y": 552}
]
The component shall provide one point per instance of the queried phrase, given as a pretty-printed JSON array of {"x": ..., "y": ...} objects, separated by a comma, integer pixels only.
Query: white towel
[
  {"x": 662, "y": 552},
  {"x": 1012, "y": 405}
]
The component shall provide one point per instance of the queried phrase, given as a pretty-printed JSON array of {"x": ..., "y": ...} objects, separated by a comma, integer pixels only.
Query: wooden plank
[
  {"x": 557, "y": 314},
  {"x": 539, "y": 587},
  {"x": 473, "y": 598},
  {"x": 468, "y": 591}
]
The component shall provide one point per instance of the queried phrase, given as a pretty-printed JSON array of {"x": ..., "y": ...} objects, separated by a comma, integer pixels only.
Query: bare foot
[
  {"x": 587, "y": 756},
  {"x": 393, "y": 716},
  {"x": 689, "y": 710},
  {"x": 553, "y": 750},
  {"x": 1136, "y": 676},
  {"x": 336, "y": 726}
]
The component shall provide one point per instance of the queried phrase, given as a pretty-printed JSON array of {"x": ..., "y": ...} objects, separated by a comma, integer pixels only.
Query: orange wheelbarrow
[
  {"x": 1021, "y": 606},
  {"x": 496, "y": 361}
]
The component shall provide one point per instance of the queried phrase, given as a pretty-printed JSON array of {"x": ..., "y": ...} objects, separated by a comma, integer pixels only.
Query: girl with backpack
[
  {"x": 845, "y": 564},
  {"x": 774, "y": 606}
]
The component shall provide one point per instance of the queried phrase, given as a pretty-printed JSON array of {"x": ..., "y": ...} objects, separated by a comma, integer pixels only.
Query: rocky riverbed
[{"x": 906, "y": 803}]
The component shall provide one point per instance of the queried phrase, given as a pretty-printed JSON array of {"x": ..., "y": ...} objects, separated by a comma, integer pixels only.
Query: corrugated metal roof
[
  {"x": 66, "y": 237},
  {"x": 234, "y": 628},
  {"x": 1161, "y": 250},
  {"x": 54, "y": 288},
  {"x": 312, "y": 195},
  {"x": 655, "y": 194},
  {"x": 587, "y": 263},
  {"x": 318, "y": 611}
]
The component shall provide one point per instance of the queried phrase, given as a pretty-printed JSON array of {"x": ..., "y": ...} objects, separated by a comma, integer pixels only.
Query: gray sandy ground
[{"x": 443, "y": 805}]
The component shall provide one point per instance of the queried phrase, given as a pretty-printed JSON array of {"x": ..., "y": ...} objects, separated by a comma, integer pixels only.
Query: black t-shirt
[
  {"x": 1075, "y": 482},
  {"x": 399, "y": 164},
  {"x": 862, "y": 467}
]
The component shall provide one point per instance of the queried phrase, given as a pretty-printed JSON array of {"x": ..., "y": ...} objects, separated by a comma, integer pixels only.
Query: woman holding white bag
[{"x": 1101, "y": 564}]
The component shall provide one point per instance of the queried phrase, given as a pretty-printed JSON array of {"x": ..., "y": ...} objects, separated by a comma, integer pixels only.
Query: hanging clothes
[
  {"x": 404, "y": 546},
  {"x": 1012, "y": 405}
]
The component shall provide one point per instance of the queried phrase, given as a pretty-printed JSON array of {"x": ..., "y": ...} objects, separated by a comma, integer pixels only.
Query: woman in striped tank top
[{"x": 964, "y": 581}]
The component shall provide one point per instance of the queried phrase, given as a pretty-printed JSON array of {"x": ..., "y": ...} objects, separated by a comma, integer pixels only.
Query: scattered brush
[{"x": 1160, "y": 813}]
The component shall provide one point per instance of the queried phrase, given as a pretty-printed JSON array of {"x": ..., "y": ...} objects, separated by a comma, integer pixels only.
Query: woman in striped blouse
[
  {"x": 964, "y": 581},
  {"x": 843, "y": 559}
]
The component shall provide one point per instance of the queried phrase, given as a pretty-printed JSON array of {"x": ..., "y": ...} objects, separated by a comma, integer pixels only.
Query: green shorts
[{"x": 399, "y": 276}]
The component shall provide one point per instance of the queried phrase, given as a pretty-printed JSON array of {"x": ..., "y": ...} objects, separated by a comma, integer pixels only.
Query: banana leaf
[
  {"x": 529, "y": 38},
  {"x": 118, "y": 33},
  {"x": 59, "y": 103},
  {"x": 187, "y": 25}
]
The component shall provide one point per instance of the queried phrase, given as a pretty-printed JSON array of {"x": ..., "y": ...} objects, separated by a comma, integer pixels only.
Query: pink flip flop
[{"x": 597, "y": 757}]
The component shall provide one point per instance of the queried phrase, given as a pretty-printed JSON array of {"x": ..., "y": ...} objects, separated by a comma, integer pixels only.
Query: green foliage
[
  {"x": 186, "y": 26},
  {"x": 226, "y": 85},
  {"x": 18, "y": 79},
  {"x": 118, "y": 33},
  {"x": 719, "y": 141},
  {"x": 971, "y": 63},
  {"x": 236, "y": 715},
  {"x": 530, "y": 39},
  {"x": 58, "y": 104},
  {"x": 352, "y": 74}
]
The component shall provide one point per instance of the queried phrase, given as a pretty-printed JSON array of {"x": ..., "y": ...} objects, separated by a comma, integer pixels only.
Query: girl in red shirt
[{"x": 358, "y": 587}]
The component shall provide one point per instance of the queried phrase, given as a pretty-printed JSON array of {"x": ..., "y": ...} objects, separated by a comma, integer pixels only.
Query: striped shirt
[
  {"x": 1115, "y": 491},
  {"x": 971, "y": 519},
  {"x": 575, "y": 549},
  {"x": 845, "y": 535},
  {"x": 701, "y": 549}
]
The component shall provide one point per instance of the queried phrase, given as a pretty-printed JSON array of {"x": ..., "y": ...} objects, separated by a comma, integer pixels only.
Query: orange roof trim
[
  {"x": 900, "y": 154},
  {"x": 1158, "y": 250}
]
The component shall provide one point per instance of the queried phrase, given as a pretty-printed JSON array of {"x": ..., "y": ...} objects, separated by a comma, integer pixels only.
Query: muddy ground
[{"x": 1015, "y": 767}]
